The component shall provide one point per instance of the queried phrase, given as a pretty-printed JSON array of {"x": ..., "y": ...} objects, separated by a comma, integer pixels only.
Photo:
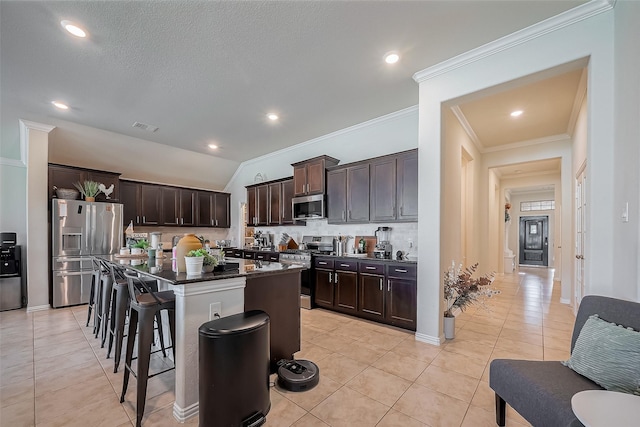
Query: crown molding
[
  {"x": 467, "y": 127},
  {"x": 530, "y": 174},
  {"x": 581, "y": 93},
  {"x": 527, "y": 143},
  {"x": 569, "y": 17}
]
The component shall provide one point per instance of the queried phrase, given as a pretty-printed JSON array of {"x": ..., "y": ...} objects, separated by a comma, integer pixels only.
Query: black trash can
[{"x": 234, "y": 370}]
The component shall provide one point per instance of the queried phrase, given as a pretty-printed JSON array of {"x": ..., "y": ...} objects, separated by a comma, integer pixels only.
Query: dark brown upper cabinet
[
  {"x": 407, "y": 184},
  {"x": 150, "y": 199},
  {"x": 383, "y": 189},
  {"x": 188, "y": 211},
  {"x": 170, "y": 200},
  {"x": 275, "y": 203},
  {"x": 262, "y": 204},
  {"x": 130, "y": 199},
  {"x": 348, "y": 194},
  {"x": 213, "y": 209},
  {"x": 252, "y": 216},
  {"x": 62, "y": 176},
  {"x": 309, "y": 175},
  {"x": 287, "y": 207},
  {"x": 222, "y": 210}
]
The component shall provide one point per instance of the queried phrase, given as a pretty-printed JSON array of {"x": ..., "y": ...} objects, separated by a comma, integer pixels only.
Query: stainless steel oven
[{"x": 303, "y": 258}]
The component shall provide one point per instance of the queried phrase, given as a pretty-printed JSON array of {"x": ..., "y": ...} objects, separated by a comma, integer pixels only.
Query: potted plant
[
  {"x": 194, "y": 259},
  {"x": 88, "y": 189},
  {"x": 209, "y": 262},
  {"x": 461, "y": 289},
  {"x": 139, "y": 247}
]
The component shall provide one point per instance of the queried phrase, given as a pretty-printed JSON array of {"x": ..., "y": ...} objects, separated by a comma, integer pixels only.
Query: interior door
[
  {"x": 581, "y": 203},
  {"x": 534, "y": 240}
]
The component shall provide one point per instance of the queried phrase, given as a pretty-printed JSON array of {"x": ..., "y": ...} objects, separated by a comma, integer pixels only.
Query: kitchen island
[{"x": 253, "y": 285}]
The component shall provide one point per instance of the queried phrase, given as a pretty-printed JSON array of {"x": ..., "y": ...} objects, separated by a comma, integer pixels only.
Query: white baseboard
[
  {"x": 38, "y": 308},
  {"x": 183, "y": 414},
  {"x": 429, "y": 339},
  {"x": 565, "y": 301}
]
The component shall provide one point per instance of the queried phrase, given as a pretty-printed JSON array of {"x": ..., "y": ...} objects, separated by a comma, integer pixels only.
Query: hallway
[{"x": 54, "y": 373}]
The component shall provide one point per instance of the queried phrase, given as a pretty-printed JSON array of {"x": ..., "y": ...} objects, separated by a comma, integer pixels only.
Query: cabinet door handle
[
  {"x": 345, "y": 265},
  {"x": 336, "y": 277},
  {"x": 349, "y": 213},
  {"x": 370, "y": 268},
  {"x": 181, "y": 221},
  {"x": 343, "y": 215},
  {"x": 388, "y": 285},
  {"x": 330, "y": 278},
  {"x": 380, "y": 284},
  {"x": 400, "y": 270},
  {"x": 211, "y": 222},
  {"x": 177, "y": 220},
  {"x": 144, "y": 218},
  {"x": 216, "y": 222},
  {"x": 400, "y": 210},
  {"x": 137, "y": 219}
]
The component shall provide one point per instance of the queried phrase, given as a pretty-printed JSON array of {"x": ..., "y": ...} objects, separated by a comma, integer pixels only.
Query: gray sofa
[{"x": 541, "y": 391}]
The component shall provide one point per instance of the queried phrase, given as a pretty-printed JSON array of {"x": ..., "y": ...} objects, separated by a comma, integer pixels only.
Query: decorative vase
[
  {"x": 193, "y": 265},
  {"x": 449, "y": 327},
  {"x": 187, "y": 243},
  {"x": 89, "y": 199}
]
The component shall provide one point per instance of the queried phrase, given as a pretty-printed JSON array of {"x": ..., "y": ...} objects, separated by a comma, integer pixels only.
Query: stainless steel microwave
[{"x": 308, "y": 207}]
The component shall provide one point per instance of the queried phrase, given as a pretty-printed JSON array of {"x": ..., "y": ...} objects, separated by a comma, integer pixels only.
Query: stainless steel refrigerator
[{"x": 80, "y": 230}]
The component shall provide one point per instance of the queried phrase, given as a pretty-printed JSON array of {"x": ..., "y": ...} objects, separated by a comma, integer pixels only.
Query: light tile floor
[{"x": 54, "y": 373}]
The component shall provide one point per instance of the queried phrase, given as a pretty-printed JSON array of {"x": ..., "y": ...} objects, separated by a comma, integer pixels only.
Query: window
[{"x": 539, "y": 205}]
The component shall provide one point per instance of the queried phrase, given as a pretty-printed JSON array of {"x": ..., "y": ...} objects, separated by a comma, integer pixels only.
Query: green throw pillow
[{"x": 608, "y": 355}]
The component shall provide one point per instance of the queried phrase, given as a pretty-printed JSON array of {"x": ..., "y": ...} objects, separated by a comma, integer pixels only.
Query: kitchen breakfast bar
[{"x": 268, "y": 286}]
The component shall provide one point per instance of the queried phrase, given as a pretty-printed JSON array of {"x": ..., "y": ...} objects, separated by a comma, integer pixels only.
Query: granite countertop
[
  {"x": 160, "y": 268},
  {"x": 367, "y": 258}
]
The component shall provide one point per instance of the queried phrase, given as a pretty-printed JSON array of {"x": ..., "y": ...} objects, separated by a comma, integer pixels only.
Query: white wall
[
  {"x": 138, "y": 159},
  {"x": 591, "y": 37},
  {"x": 626, "y": 106},
  {"x": 386, "y": 135},
  {"x": 457, "y": 140}
]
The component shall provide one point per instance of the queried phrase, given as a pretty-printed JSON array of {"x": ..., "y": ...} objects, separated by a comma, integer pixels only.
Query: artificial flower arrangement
[{"x": 461, "y": 289}]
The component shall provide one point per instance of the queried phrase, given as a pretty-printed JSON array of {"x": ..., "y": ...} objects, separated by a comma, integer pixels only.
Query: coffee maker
[{"x": 383, "y": 247}]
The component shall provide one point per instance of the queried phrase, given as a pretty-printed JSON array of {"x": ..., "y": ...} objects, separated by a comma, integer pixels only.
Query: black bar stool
[
  {"x": 95, "y": 278},
  {"x": 103, "y": 303},
  {"x": 144, "y": 308},
  {"x": 120, "y": 311}
]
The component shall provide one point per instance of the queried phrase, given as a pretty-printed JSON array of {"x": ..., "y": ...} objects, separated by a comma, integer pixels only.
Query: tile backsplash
[
  {"x": 212, "y": 234},
  {"x": 401, "y": 233}
]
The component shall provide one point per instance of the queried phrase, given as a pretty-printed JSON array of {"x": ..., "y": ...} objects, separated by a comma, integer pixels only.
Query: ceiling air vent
[{"x": 145, "y": 126}]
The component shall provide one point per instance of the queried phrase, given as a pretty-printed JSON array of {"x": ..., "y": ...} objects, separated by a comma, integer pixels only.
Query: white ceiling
[{"x": 208, "y": 72}]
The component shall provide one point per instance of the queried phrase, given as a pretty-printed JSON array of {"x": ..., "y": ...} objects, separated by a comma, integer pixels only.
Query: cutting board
[{"x": 370, "y": 243}]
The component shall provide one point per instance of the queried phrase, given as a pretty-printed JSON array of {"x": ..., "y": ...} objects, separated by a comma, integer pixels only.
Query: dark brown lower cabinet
[
  {"x": 380, "y": 291},
  {"x": 401, "y": 296},
  {"x": 371, "y": 296},
  {"x": 346, "y": 290},
  {"x": 324, "y": 288}
]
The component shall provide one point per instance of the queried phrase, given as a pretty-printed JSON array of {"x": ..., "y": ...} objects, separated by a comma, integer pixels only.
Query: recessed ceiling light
[
  {"x": 272, "y": 116},
  {"x": 60, "y": 105},
  {"x": 213, "y": 146},
  {"x": 391, "y": 58},
  {"x": 73, "y": 28},
  {"x": 516, "y": 113}
]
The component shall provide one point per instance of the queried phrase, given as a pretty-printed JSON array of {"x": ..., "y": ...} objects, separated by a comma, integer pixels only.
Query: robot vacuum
[{"x": 298, "y": 375}]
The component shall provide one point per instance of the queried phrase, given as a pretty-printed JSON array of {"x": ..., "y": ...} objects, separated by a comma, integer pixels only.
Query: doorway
[{"x": 534, "y": 241}]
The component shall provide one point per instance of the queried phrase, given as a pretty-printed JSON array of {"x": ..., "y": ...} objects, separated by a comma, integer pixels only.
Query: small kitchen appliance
[
  {"x": 383, "y": 247},
  {"x": 10, "y": 273}
]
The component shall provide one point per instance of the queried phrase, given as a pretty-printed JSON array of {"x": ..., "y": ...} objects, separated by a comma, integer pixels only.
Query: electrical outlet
[
  {"x": 215, "y": 310},
  {"x": 410, "y": 241}
]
